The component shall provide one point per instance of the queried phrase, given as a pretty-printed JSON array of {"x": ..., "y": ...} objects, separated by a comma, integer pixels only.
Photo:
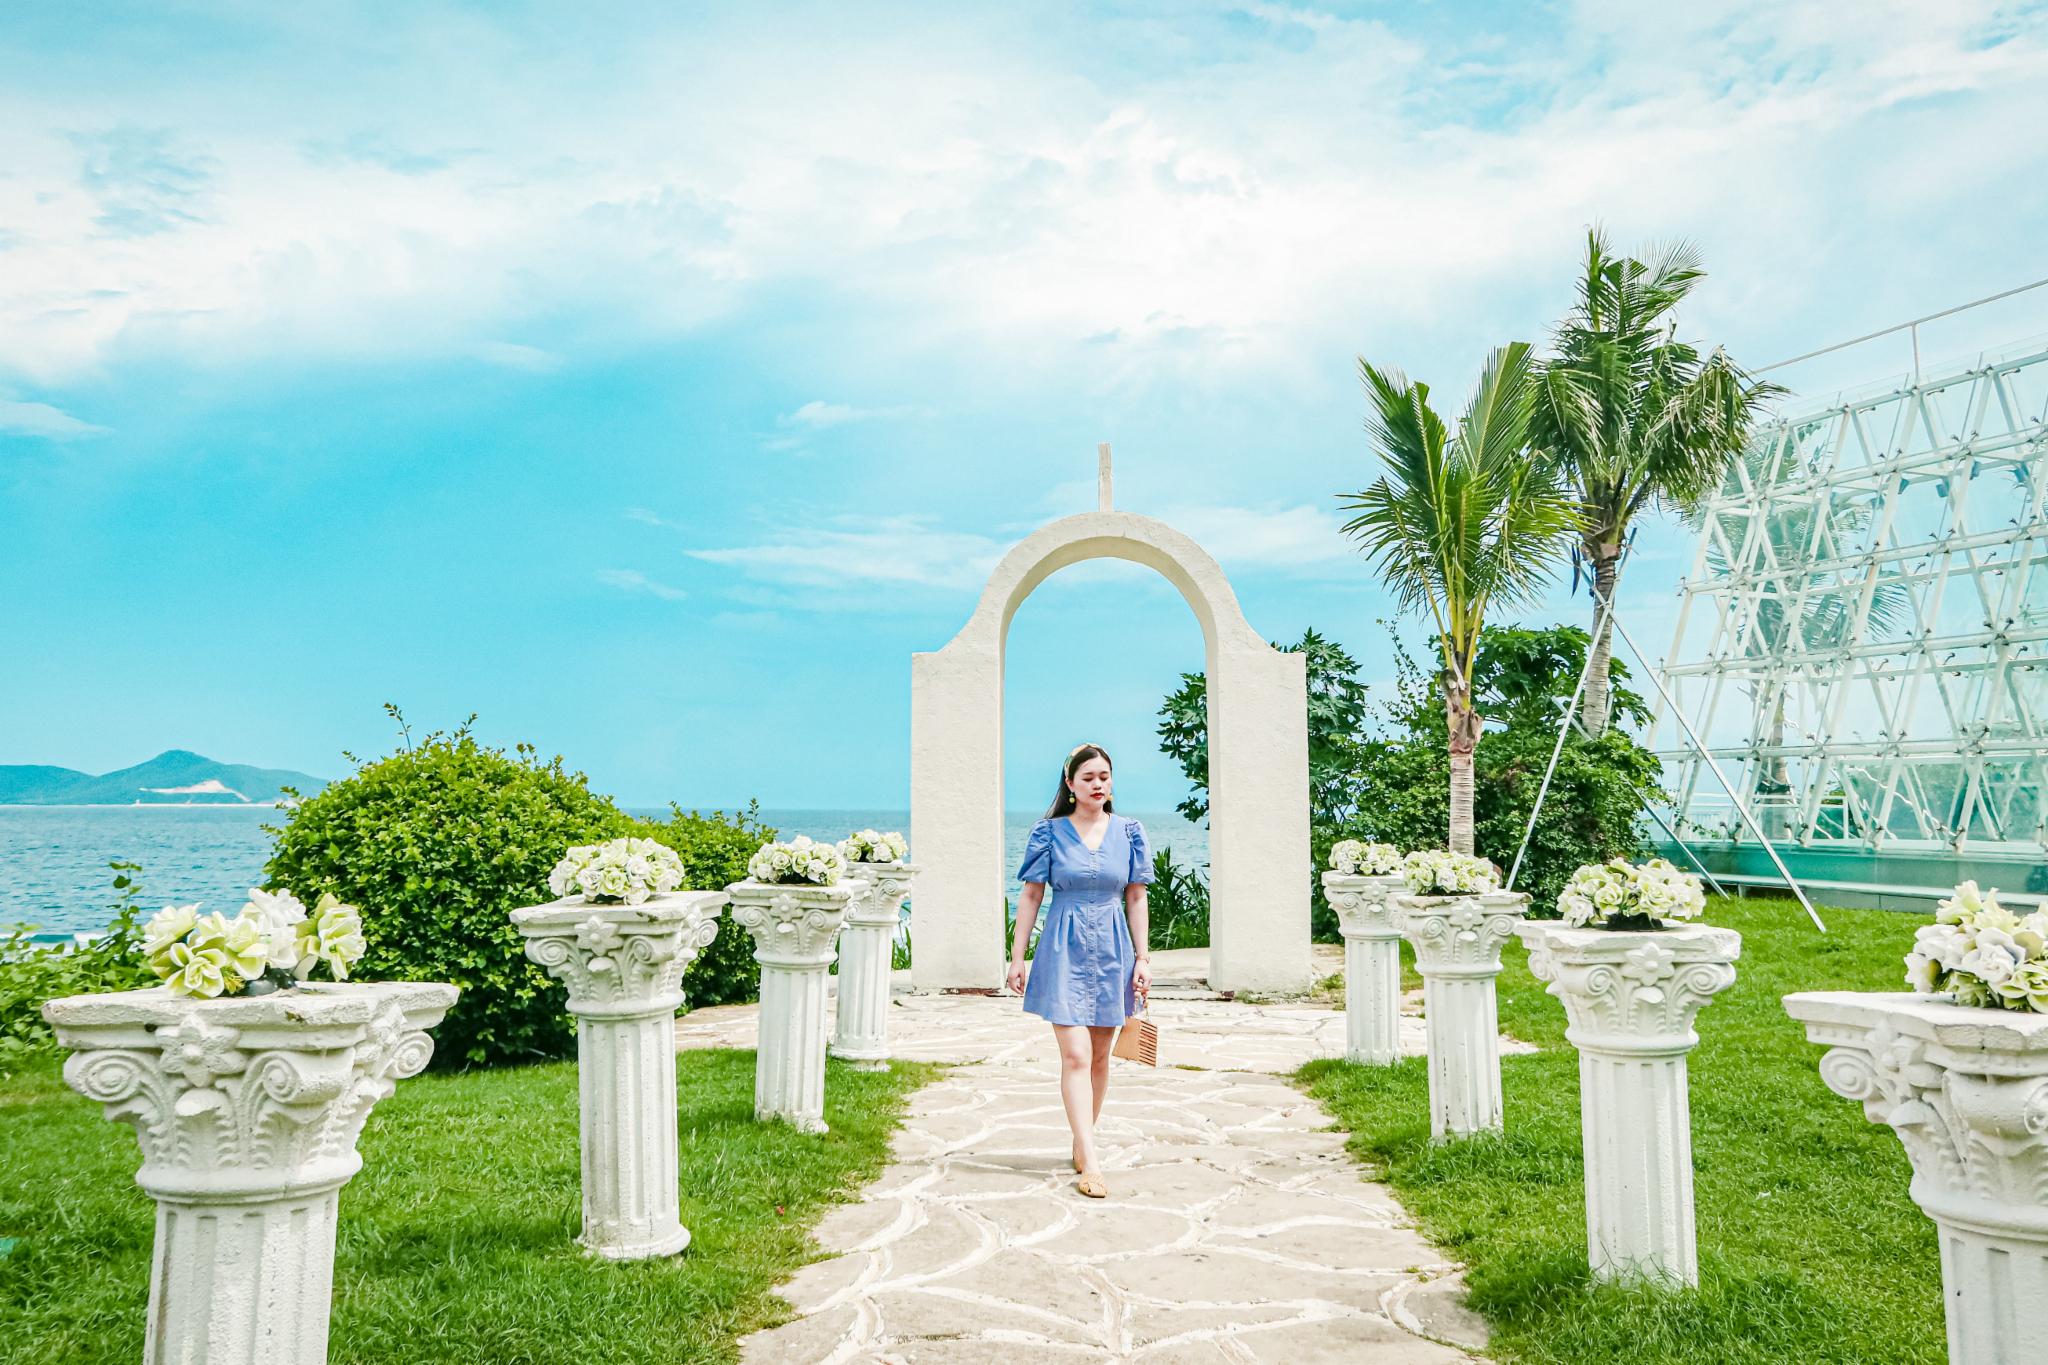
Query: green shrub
[
  {"x": 714, "y": 850},
  {"x": 32, "y": 973},
  {"x": 1589, "y": 815},
  {"x": 437, "y": 845},
  {"x": 1177, "y": 905}
]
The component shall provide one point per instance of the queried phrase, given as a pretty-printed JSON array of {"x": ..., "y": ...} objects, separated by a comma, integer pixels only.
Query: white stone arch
[{"x": 1258, "y": 768}]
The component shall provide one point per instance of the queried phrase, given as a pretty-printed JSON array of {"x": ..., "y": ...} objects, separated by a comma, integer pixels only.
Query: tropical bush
[
  {"x": 31, "y": 973},
  {"x": 438, "y": 843},
  {"x": 1589, "y": 815},
  {"x": 1177, "y": 905}
]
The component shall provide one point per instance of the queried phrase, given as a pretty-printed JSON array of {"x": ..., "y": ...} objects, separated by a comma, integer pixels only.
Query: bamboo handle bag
[{"x": 1138, "y": 1039}]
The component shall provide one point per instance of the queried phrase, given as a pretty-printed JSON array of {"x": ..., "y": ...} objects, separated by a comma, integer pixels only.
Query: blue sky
[{"x": 653, "y": 384}]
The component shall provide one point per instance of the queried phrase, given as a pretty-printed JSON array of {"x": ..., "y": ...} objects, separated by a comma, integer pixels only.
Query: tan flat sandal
[{"x": 1092, "y": 1186}]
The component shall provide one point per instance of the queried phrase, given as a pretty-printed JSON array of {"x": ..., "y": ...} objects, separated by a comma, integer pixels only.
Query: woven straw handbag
[{"x": 1138, "y": 1039}]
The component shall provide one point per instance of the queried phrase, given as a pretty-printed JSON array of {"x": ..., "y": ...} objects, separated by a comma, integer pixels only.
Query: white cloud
[
  {"x": 1011, "y": 191},
  {"x": 857, "y": 552},
  {"x": 513, "y": 356},
  {"x": 40, "y": 419},
  {"x": 1298, "y": 539},
  {"x": 817, "y": 415},
  {"x": 632, "y": 580}
]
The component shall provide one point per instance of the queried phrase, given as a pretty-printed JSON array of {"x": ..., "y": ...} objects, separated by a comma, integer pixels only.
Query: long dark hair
[{"x": 1063, "y": 800}]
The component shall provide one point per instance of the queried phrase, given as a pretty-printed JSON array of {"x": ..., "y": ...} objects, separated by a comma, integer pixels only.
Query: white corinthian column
[
  {"x": 872, "y": 917},
  {"x": 1966, "y": 1090},
  {"x": 1457, "y": 949},
  {"x": 247, "y": 1111},
  {"x": 623, "y": 965},
  {"x": 796, "y": 931},
  {"x": 1632, "y": 997},
  {"x": 1372, "y": 965}
]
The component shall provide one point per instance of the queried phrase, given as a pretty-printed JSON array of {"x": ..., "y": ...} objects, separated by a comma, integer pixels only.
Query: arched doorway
[{"x": 1258, "y": 768}]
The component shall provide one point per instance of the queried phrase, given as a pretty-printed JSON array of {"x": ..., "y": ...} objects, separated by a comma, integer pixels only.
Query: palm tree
[
  {"x": 1459, "y": 523},
  {"x": 1635, "y": 417}
]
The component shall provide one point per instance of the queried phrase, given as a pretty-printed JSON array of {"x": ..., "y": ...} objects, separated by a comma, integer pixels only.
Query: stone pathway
[{"x": 1237, "y": 1230}]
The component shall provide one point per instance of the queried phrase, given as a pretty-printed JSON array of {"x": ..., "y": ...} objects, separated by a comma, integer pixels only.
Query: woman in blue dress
[{"x": 1086, "y": 977}]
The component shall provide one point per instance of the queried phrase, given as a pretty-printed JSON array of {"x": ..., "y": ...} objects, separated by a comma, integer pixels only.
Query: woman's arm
[
  {"x": 1138, "y": 910},
  {"x": 1027, "y": 916}
]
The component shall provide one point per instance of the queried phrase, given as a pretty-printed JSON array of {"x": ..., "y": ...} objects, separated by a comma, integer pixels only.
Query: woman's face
[{"x": 1091, "y": 781}]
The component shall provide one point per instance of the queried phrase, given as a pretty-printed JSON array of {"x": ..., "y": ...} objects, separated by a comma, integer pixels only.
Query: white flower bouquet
[
  {"x": 1618, "y": 894},
  {"x": 1981, "y": 953},
  {"x": 271, "y": 944},
  {"x": 802, "y": 861},
  {"x": 1435, "y": 872},
  {"x": 866, "y": 846},
  {"x": 622, "y": 870},
  {"x": 1352, "y": 857}
]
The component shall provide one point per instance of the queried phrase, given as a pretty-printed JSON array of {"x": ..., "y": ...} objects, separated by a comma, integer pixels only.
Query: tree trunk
[
  {"x": 1597, "y": 702},
  {"x": 1463, "y": 723}
]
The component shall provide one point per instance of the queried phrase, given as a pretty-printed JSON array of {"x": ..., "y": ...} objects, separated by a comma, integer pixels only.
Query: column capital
[
  {"x": 1966, "y": 1090},
  {"x": 887, "y": 884},
  {"x": 1458, "y": 935},
  {"x": 247, "y": 1097},
  {"x": 1363, "y": 904},
  {"x": 619, "y": 961},
  {"x": 1632, "y": 991},
  {"x": 793, "y": 926}
]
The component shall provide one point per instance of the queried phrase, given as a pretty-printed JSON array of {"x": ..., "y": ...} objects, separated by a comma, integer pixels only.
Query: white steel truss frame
[{"x": 1874, "y": 583}]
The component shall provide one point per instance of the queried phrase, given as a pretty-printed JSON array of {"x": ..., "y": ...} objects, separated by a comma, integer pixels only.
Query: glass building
[{"x": 1860, "y": 643}]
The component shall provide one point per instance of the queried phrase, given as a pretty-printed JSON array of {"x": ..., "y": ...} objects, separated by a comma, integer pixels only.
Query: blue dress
[{"x": 1081, "y": 972}]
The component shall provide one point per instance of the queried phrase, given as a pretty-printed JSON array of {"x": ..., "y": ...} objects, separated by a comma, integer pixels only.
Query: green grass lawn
[
  {"x": 455, "y": 1240},
  {"x": 1810, "y": 1250}
]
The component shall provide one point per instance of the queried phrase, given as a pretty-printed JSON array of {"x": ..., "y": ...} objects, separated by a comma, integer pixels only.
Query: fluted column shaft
[
  {"x": 1457, "y": 950},
  {"x": 1372, "y": 965},
  {"x": 796, "y": 935},
  {"x": 247, "y": 1111},
  {"x": 861, "y": 1033},
  {"x": 1966, "y": 1092},
  {"x": 623, "y": 965},
  {"x": 1632, "y": 997}
]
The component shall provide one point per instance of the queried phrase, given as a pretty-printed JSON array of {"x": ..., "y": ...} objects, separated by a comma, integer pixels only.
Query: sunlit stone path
[{"x": 1236, "y": 1231}]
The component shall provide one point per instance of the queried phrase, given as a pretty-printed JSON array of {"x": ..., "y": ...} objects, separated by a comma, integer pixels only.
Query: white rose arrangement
[
  {"x": 1435, "y": 872},
  {"x": 1982, "y": 953},
  {"x": 273, "y": 941},
  {"x": 1618, "y": 894},
  {"x": 1352, "y": 857},
  {"x": 866, "y": 846},
  {"x": 621, "y": 871},
  {"x": 802, "y": 860}
]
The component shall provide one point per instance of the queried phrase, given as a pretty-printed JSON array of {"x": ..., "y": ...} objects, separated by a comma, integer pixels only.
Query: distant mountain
[{"x": 176, "y": 777}]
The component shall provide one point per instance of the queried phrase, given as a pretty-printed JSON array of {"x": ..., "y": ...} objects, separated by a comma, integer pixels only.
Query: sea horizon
[{"x": 54, "y": 859}]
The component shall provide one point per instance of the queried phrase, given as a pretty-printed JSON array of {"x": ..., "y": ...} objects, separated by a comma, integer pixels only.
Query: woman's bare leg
[
  {"x": 1101, "y": 1039},
  {"x": 1077, "y": 1085}
]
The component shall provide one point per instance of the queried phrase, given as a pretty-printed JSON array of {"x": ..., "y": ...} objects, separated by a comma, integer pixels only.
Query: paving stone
[
  {"x": 1344, "y": 1341},
  {"x": 1237, "y": 1228},
  {"x": 1343, "y": 1247},
  {"x": 812, "y": 1287},
  {"x": 914, "y": 1314},
  {"x": 1210, "y": 1275},
  {"x": 807, "y": 1338},
  {"x": 1436, "y": 1308}
]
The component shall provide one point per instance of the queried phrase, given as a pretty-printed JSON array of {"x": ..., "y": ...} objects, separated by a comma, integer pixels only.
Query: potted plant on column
[
  {"x": 1456, "y": 916},
  {"x": 619, "y": 937},
  {"x": 1958, "y": 1068},
  {"x": 793, "y": 902},
  {"x": 878, "y": 862},
  {"x": 1359, "y": 884},
  {"x": 247, "y": 1085},
  {"x": 1633, "y": 974}
]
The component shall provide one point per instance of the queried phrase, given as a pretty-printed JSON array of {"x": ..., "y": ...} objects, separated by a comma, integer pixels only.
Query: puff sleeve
[
  {"x": 1141, "y": 854},
  {"x": 1037, "y": 854}
]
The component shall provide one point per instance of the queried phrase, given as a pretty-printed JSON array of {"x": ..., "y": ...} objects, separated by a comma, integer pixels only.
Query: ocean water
[{"x": 54, "y": 875}]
